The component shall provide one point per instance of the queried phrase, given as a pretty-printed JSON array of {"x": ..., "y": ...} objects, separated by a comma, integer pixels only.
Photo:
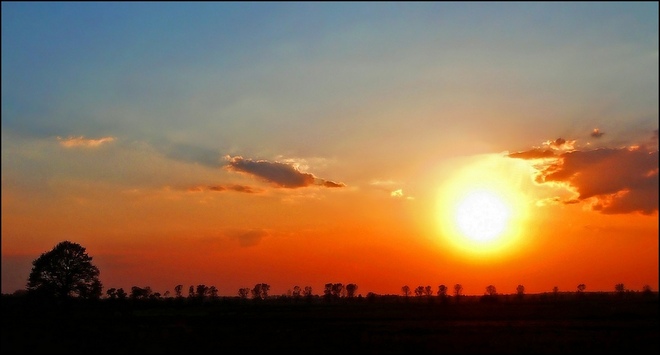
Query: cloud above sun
[
  {"x": 282, "y": 175},
  {"x": 613, "y": 180}
]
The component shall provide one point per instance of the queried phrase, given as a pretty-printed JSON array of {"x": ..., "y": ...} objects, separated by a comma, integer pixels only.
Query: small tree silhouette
[
  {"x": 307, "y": 292},
  {"x": 442, "y": 291},
  {"x": 139, "y": 293},
  {"x": 406, "y": 290},
  {"x": 337, "y": 289},
  {"x": 581, "y": 288},
  {"x": 491, "y": 290},
  {"x": 243, "y": 293},
  {"x": 520, "y": 291},
  {"x": 213, "y": 292},
  {"x": 428, "y": 291},
  {"x": 177, "y": 291},
  {"x": 260, "y": 291},
  {"x": 490, "y": 295},
  {"x": 419, "y": 291},
  {"x": 202, "y": 291},
  {"x": 296, "y": 291},
  {"x": 619, "y": 288},
  {"x": 458, "y": 290},
  {"x": 350, "y": 290}
]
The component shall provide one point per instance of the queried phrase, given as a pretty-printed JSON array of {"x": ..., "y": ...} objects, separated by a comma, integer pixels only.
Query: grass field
[{"x": 593, "y": 324}]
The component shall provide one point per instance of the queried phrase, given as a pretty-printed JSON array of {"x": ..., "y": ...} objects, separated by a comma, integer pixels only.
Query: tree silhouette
[
  {"x": 350, "y": 290},
  {"x": 491, "y": 290},
  {"x": 140, "y": 293},
  {"x": 243, "y": 292},
  {"x": 202, "y": 291},
  {"x": 458, "y": 289},
  {"x": 419, "y": 291},
  {"x": 406, "y": 290},
  {"x": 428, "y": 291},
  {"x": 260, "y": 291},
  {"x": 520, "y": 291},
  {"x": 213, "y": 292},
  {"x": 191, "y": 291},
  {"x": 581, "y": 288},
  {"x": 296, "y": 291},
  {"x": 619, "y": 288},
  {"x": 65, "y": 271},
  {"x": 307, "y": 291},
  {"x": 442, "y": 291},
  {"x": 327, "y": 291},
  {"x": 177, "y": 290},
  {"x": 337, "y": 289}
]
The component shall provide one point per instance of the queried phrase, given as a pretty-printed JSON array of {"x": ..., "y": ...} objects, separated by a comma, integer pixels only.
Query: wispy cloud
[
  {"x": 279, "y": 174},
  {"x": 249, "y": 238},
  {"x": 84, "y": 142},
  {"x": 228, "y": 187},
  {"x": 614, "y": 180}
]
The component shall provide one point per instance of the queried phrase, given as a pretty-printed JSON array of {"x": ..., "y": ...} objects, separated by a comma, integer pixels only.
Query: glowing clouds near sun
[{"x": 609, "y": 180}]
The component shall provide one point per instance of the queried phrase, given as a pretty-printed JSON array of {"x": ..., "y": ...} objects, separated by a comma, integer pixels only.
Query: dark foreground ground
[{"x": 594, "y": 324}]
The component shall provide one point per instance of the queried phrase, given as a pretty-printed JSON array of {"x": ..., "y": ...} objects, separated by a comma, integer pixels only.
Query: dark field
[{"x": 537, "y": 324}]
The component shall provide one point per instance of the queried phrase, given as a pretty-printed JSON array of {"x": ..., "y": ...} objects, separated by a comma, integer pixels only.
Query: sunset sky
[{"x": 381, "y": 144}]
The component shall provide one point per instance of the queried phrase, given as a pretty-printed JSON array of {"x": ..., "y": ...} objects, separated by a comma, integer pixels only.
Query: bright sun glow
[
  {"x": 482, "y": 207},
  {"x": 482, "y": 215}
]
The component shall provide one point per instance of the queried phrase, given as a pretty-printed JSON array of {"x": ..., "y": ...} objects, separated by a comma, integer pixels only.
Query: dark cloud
[
  {"x": 596, "y": 133},
  {"x": 557, "y": 142},
  {"x": 279, "y": 174},
  {"x": 622, "y": 180}
]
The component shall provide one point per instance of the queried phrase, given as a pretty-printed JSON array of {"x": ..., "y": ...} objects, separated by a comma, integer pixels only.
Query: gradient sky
[{"x": 230, "y": 144}]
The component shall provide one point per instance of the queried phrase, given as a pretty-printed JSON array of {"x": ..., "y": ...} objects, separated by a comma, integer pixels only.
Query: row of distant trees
[
  {"x": 492, "y": 290},
  {"x": 67, "y": 270},
  {"x": 258, "y": 292}
]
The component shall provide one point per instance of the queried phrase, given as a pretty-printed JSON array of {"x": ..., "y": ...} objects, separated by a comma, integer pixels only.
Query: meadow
[{"x": 601, "y": 323}]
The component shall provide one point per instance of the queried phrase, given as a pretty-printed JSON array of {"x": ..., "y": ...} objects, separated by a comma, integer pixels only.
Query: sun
[
  {"x": 482, "y": 215},
  {"x": 482, "y": 207}
]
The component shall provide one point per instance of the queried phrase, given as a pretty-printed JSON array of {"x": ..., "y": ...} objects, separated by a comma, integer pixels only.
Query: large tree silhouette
[{"x": 65, "y": 271}]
